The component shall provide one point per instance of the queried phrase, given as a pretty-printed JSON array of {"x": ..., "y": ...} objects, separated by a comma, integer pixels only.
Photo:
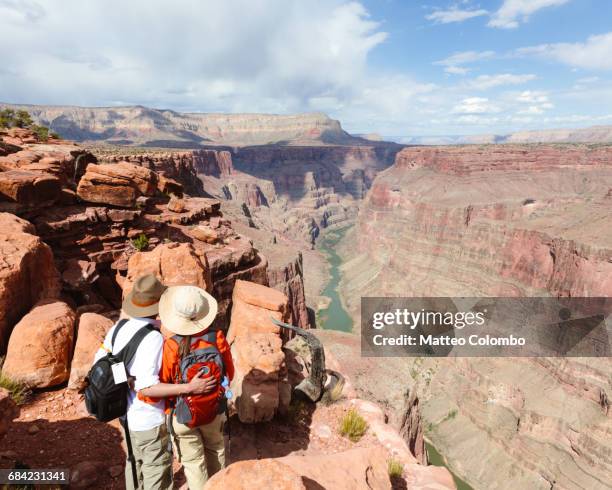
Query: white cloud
[
  {"x": 454, "y": 64},
  {"x": 457, "y": 70},
  {"x": 537, "y": 102},
  {"x": 588, "y": 80},
  {"x": 513, "y": 12},
  {"x": 454, "y": 15},
  {"x": 484, "y": 82},
  {"x": 594, "y": 54},
  {"x": 475, "y": 105},
  {"x": 191, "y": 55},
  {"x": 532, "y": 96}
]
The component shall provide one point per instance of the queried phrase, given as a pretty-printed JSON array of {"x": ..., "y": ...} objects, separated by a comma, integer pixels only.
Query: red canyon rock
[
  {"x": 116, "y": 184},
  {"x": 29, "y": 188},
  {"x": 174, "y": 264},
  {"x": 265, "y": 473},
  {"x": 27, "y": 272},
  {"x": 40, "y": 345},
  {"x": 260, "y": 386},
  {"x": 91, "y": 331}
]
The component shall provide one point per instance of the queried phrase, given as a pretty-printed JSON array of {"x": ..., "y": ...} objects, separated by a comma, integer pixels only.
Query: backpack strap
[
  {"x": 210, "y": 336},
  {"x": 120, "y": 324},
  {"x": 129, "y": 351}
]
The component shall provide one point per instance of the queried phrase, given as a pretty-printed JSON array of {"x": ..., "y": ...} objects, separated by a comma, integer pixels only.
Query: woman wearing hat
[{"x": 189, "y": 312}]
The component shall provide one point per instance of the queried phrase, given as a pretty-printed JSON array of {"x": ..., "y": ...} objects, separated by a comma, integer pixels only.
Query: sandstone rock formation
[
  {"x": 91, "y": 330},
  {"x": 93, "y": 243},
  {"x": 8, "y": 411},
  {"x": 27, "y": 272},
  {"x": 357, "y": 469},
  {"x": 119, "y": 184},
  {"x": 174, "y": 264},
  {"x": 265, "y": 473},
  {"x": 260, "y": 386},
  {"x": 40, "y": 346},
  {"x": 498, "y": 221}
]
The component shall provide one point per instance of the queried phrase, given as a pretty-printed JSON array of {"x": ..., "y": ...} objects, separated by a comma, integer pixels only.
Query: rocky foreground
[
  {"x": 75, "y": 231},
  {"x": 497, "y": 221}
]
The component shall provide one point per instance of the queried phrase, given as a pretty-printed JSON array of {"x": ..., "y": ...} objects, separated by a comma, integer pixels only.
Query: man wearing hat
[
  {"x": 146, "y": 416},
  {"x": 189, "y": 312}
]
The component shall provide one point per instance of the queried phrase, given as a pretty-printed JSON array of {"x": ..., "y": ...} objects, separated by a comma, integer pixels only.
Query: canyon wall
[
  {"x": 297, "y": 191},
  {"x": 498, "y": 221},
  {"x": 143, "y": 126}
]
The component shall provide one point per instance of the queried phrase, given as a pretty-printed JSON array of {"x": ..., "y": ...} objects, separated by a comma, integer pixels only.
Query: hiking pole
[{"x": 131, "y": 459}]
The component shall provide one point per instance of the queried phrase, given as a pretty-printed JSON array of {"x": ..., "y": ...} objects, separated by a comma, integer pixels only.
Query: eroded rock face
[
  {"x": 290, "y": 280},
  {"x": 297, "y": 191},
  {"x": 40, "y": 345},
  {"x": 27, "y": 272},
  {"x": 118, "y": 184},
  {"x": 260, "y": 386},
  {"x": 174, "y": 264},
  {"x": 411, "y": 427},
  {"x": 91, "y": 330},
  {"x": 8, "y": 411},
  {"x": 498, "y": 221}
]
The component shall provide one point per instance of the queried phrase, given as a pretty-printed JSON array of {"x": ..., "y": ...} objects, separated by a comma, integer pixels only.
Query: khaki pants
[
  {"x": 153, "y": 460},
  {"x": 201, "y": 450}
]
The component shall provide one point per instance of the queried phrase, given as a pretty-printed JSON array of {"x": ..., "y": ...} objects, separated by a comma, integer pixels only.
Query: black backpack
[{"x": 103, "y": 398}]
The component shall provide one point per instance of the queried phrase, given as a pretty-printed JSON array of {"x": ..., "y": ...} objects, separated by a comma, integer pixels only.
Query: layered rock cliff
[
  {"x": 498, "y": 221},
  {"x": 298, "y": 191},
  {"x": 142, "y": 126}
]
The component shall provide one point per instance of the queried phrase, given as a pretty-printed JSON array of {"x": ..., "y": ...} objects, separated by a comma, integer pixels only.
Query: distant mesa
[
  {"x": 145, "y": 127},
  {"x": 590, "y": 135}
]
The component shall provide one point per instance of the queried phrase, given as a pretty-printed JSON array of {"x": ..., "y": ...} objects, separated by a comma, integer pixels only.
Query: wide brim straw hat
[
  {"x": 187, "y": 310},
  {"x": 143, "y": 299}
]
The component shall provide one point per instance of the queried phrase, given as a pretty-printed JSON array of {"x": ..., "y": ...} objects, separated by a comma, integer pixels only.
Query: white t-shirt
[{"x": 144, "y": 367}]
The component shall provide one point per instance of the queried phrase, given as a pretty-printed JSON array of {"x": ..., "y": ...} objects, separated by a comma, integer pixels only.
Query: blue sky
[{"x": 399, "y": 68}]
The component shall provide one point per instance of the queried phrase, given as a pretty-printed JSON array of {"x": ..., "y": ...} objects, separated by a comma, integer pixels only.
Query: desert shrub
[
  {"x": 353, "y": 426},
  {"x": 9, "y": 118},
  {"x": 18, "y": 391},
  {"x": 41, "y": 132},
  {"x": 395, "y": 468},
  {"x": 6, "y": 118},
  {"x": 141, "y": 242}
]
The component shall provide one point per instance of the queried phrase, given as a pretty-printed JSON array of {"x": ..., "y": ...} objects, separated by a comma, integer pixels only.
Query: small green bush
[
  {"x": 141, "y": 242},
  {"x": 18, "y": 391},
  {"x": 41, "y": 132},
  {"x": 395, "y": 468},
  {"x": 353, "y": 426}
]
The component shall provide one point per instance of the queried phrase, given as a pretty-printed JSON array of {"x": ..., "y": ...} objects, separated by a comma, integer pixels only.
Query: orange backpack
[{"x": 196, "y": 410}]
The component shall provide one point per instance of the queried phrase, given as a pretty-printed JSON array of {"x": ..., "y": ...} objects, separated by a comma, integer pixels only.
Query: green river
[{"x": 335, "y": 317}]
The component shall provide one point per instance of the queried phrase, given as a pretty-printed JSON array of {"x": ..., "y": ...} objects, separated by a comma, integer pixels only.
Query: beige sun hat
[
  {"x": 143, "y": 299},
  {"x": 187, "y": 310}
]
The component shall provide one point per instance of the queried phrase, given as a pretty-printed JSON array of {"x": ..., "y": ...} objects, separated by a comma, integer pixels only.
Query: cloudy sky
[{"x": 396, "y": 67}]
